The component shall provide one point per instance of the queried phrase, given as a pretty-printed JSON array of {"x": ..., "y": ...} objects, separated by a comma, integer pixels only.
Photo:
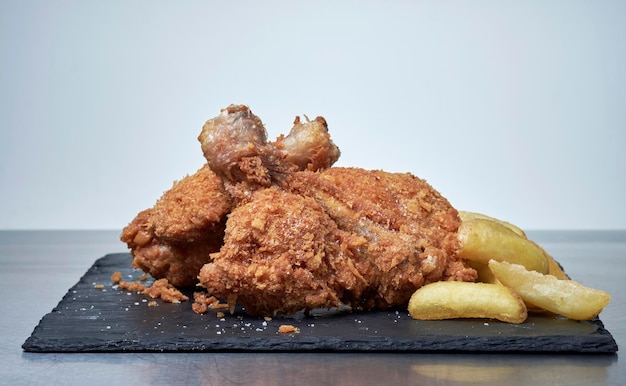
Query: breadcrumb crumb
[
  {"x": 288, "y": 329},
  {"x": 204, "y": 302},
  {"x": 159, "y": 289},
  {"x": 132, "y": 286},
  {"x": 164, "y": 290},
  {"x": 116, "y": 278}
]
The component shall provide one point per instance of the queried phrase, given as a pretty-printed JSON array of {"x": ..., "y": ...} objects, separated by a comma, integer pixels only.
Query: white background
[{"x": 516, "y": 109}]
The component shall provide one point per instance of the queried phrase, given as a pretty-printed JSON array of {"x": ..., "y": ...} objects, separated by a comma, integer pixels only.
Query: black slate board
[{"x": 90, "y": 319}]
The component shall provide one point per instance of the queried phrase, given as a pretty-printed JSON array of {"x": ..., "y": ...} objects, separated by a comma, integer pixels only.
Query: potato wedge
[
  {"x": 466, "y": 216},
  {"x": 565, "y": 297},
  {"x": 453, "y": 299},
  {"x": 482, "y": 240},
  {"x": 554, "y": 268},
  {"x": 484, "y": 273}
]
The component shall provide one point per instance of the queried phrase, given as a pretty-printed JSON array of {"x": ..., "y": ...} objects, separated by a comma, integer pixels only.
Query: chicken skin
[
  {"x": 320, "y": 244},
  {"x": 274, "y": 227},
  {"x": 281, "y": 252},
  {"x": 174, "y": 238}
]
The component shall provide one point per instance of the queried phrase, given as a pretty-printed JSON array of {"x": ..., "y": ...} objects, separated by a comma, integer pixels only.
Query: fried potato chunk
[
  {"x": 555, "y": 269},
  {"x": 564, "y": 297},
  {"x": 467, "y": 216},
  {"x": 482, "y": 240},
  {"x": 451, "y": 299}
]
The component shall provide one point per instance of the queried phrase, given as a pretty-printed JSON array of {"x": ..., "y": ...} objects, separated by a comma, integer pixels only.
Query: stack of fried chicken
[{"x": 274, "y": 227}]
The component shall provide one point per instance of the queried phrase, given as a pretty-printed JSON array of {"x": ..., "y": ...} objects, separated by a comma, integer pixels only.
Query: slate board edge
[{"x": 505, "y": 345}]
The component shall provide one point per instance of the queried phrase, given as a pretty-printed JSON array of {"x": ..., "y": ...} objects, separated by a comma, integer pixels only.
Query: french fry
[
  {"x": 452, "y": 299},
  {"x": 466, "y": 216},
  {"x": 482, "y": 240},
  {"x": 564, "y": 297}
]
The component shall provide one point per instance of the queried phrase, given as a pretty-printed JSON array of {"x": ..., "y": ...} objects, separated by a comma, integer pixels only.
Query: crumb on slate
[
  {"x": 203, "y": 302},
  {"x": 159, "y": 289},
  {"x": 288, "y": 329},
  {"x": 116, "y": 278},
  {"x": 166, "y": 291}
]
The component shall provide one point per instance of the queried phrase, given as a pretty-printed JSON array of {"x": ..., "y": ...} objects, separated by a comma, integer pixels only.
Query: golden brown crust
[
  {"x": 194, "y": 206},
  {"x": 408, "y": 227},
  {"x": 116, "y": 277},
  {"x": 273, "y": 226},
  {"x": 275, "y": 255},
  {"x": 327, "y": 242},
  {"x": 175, "y": 238},
  {"x": 203, "y": 302},
  {"x": 164, "y": 290},
  {"x": 288, "y": 329}
]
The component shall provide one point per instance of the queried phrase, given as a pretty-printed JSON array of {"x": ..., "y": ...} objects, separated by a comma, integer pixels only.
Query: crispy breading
[
  {"x": 193, "y": 207},
  {"x": 272, "y": 226},
  {"x": 175, "y": 238},
  {"x": 343, "y": 236},
  {"x": 179, "y": 262},
  {"x": 164, "y": 290},
  {"x": 278, "y": 254}
]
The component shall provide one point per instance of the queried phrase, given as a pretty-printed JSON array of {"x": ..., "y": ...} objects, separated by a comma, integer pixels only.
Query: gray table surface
[{"x": 38, "y": 267}]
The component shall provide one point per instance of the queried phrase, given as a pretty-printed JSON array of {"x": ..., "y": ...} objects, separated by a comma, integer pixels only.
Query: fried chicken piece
[
  {"x": 272, "y": 226},
  {"x": 343, "y": 236},
  {"x": 278, "y": 256},
  {"x": 179, "y": 262},
  {"x": 304, "y": 235},
  {"x": 409, "y": 228},
  {"x": 175, "y": 238}
]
